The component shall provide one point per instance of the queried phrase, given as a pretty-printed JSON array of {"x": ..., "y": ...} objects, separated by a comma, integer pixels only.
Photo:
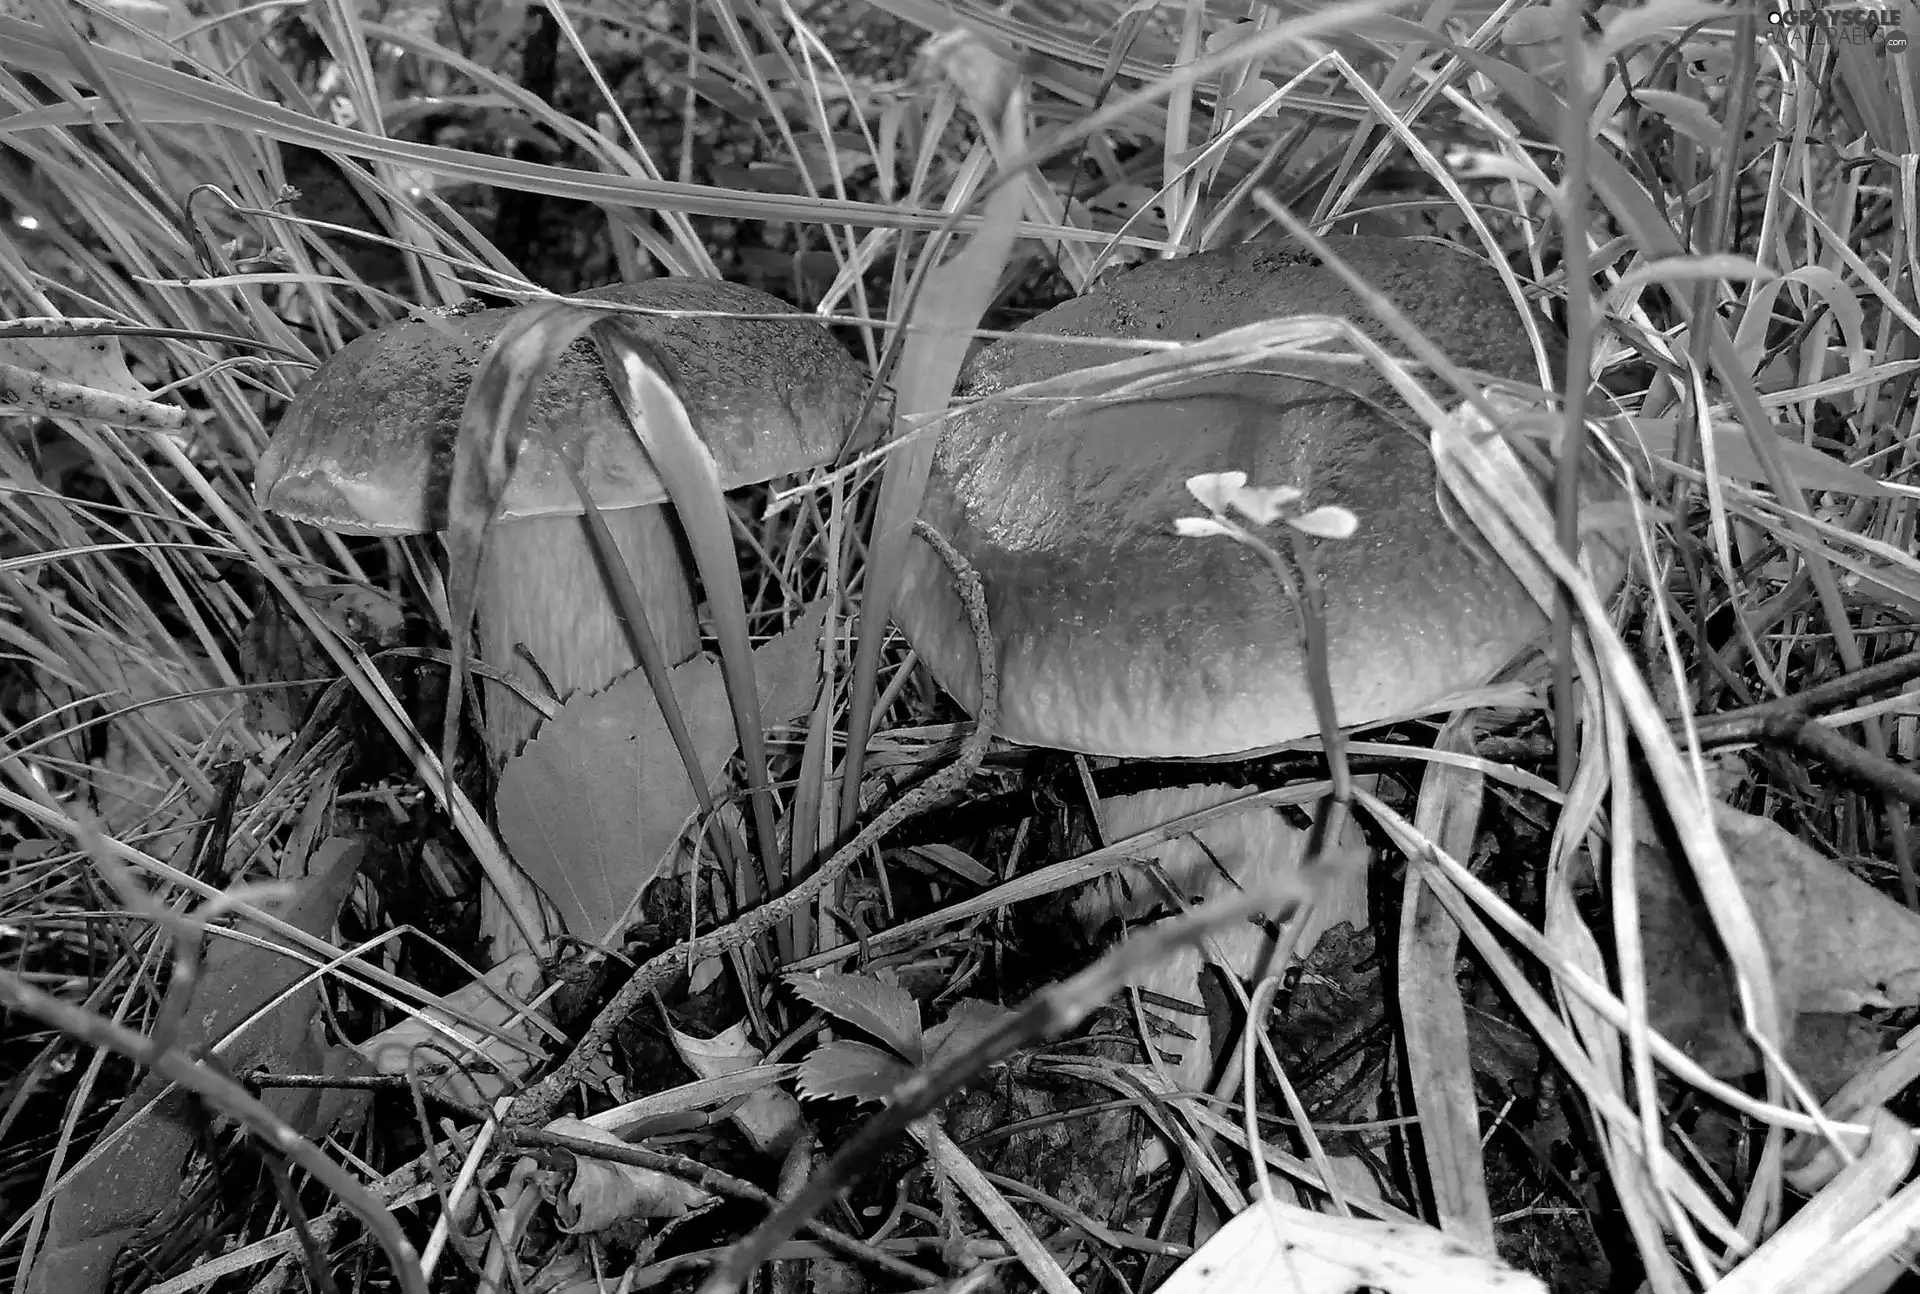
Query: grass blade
[
  {"x": 942, "y": 321},
  {"x": 692, "y": 478}
]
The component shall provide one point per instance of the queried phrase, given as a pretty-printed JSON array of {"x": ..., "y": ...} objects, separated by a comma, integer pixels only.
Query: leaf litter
[{"x": 595, "y": 805}]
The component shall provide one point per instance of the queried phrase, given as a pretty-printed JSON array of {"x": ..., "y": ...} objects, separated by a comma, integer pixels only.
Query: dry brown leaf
[
  {"x": 1836, "y": 943},
  {"x": 1277, "y": 1246},
  {"x": 604, "y": 1193},
  {"x": 107, "y": 1204},
  {"x": 770, "y": 1117},
  {"x": 594, "y": 803},
  {"x": 422, "y": 1043}
]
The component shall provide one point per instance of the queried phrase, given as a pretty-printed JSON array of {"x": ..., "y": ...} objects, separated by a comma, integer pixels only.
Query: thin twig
[
  {"x": 686, "y": 1169},
  {"x": 695, "y": 1173},
  {"x": 1878, "y": 772},
  {"x": 1722, "y": 729}
]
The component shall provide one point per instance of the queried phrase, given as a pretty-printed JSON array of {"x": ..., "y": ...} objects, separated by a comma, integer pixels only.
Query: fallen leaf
[
  {"x": 1226, "y": 37},
  {"x": 107, "y": 1204},
  {"x": 1836, "y": 943},
  {"x": 788, "y": 667},
  {"x": 593, "y": 806},
  {"x": 834, "y": 1276},
  {"x": 769, "y": 1117},
  {"x": 604, "y": 1193},
  {"x": 95, "y": 362},
  {"x": 426, "y": 1045},
  {"x": 1275, "y": 1246}
]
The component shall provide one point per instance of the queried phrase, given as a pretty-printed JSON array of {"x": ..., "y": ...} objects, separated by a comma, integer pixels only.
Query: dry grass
[{"x": 1742, "y": 205}]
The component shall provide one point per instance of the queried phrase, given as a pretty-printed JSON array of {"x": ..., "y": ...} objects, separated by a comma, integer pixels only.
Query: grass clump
[{"x": 212, "y": 714}]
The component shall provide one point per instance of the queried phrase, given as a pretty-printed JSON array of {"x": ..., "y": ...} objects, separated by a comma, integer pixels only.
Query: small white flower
[
  {"x": 1216, "y": 490},
  {"x": 1197, "y": 527},
  {"x": 1329, "y": 522},
  {"x": 1263, "y": 503}
]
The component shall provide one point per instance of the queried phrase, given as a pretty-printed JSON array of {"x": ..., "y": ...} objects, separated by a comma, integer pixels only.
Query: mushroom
[
  {"x": 366, "y": 449},
  {"x": 1116, "y": 636}
]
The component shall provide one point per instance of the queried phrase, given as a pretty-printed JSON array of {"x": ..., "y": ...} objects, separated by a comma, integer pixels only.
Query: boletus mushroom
[
  {"x": 1117, "y": 636},
  {"x": 366, "y": 449}
]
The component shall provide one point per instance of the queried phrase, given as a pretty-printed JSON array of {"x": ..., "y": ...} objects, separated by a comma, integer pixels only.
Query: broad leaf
[
  {"x": 877, "y": 1007},
  {"x": 592, "y": 807},
  {"x": 851, "y": 1071},
  {"x": 970, "y": 1021}
]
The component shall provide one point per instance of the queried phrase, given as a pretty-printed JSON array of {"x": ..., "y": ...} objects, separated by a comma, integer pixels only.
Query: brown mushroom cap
[
  {"x": 367, "y": 446},
  {"x": 1117, "y": 636}
]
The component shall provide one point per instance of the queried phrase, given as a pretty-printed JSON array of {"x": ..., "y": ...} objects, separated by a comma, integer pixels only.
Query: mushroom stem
[{"x": 542, "y": 588}]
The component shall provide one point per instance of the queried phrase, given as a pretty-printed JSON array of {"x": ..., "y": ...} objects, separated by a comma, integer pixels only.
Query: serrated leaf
[
  {"x": 876, "y": 1007},
  {"x": 595, "y": 802},
  {"x": 850, "y": 1071},
  {"x": 970, "y": 1021}
]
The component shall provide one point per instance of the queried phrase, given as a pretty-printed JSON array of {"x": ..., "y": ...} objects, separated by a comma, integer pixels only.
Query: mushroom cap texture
[
  {"x": 367, "y": 447},
  {"x": 1117, "y": 636}
]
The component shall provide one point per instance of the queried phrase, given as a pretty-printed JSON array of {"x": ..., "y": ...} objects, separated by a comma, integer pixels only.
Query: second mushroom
[{"x": 366, "y": 449}]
